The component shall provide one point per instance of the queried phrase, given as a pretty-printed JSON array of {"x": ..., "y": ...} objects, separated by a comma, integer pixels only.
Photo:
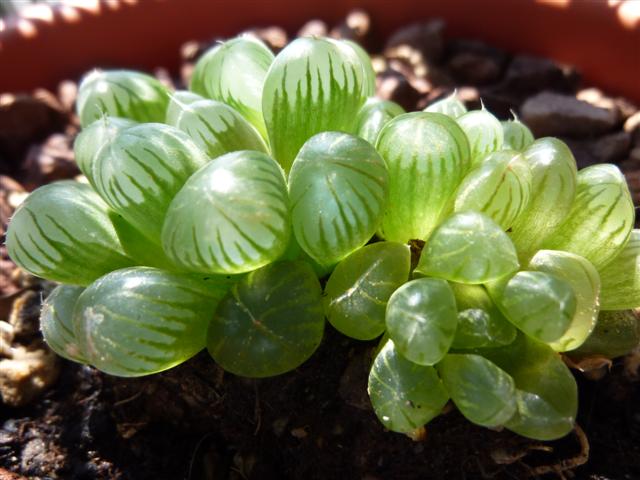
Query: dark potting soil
[{"x": 196, "y": 422}]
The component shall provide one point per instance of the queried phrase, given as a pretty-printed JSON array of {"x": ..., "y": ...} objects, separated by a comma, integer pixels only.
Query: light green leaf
[
  {"x": 62, "y": 232},
  {"x": 369, "y": 84},
  {"x": 373, "y": 116},
  {"x": 617, "y": 333},
  {"x": 234, "y": 72},
  {"x": 357, "y": 291},
  {"x": 468, "y": 248},
  {"x": 449, "y": 106},
  {"x": 484, "y": 393},
  {"x": 314, "y": 85},
  {"x": 421, "y": 319},
  {"x": 517, "y": 135},
  {"x": 121, "y": 93},
  {"x": 179, "y": 101},
  {"x": 56, "y": 322},
  {"x": 139, "y": 321},
  {"x": 585, "y": 282},
  {"x": 270, "y": 322},
  {"x": 404, "y": 395},
  {"x": 499, "y": 187},
  {"x": 484, "y": 132},
  {"x": 600, "y": 222},
  {"x": 621, "y": 277},
  {"x": 427, "y": 156},
  {"x": 338, "y": 188}
]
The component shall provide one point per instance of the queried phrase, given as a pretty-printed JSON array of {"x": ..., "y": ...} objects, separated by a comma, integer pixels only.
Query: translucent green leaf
[
  {"x": 517, "y": 135},
  {"x": 295, "y": 252},
  {"x": 484, "y": 132},
  {"x": 314, "y": 85},
  {"x": 369, "y": 84},
  {"x": 427, "y": 156},
  {"x": 232, "y": 216},
  {"x": 357, "y": 291},
  {"x": 373, "y": 116},
  {"x": 617, "y": 333},
  {"x": 215, "y": 127},
  {"x": 540, "y": 304},
  {"x": 270, "y": 322},
  {"x": 121, "y": 93},
  {"x": 599, "y": 224},
  {"x": 621, "y": 277},
  {"x": 421, "y": 319},
  {"x": 554, "y": 178},
  {"x": 480, "y": 322},
  {"x": 142, "y": 169},
  {"x": 585, "y": 281},
  {"x": 56, "y": 322},
  {"x": 468, "y": 248},
  {"x": 234, "y": 72},
  {"x": 547, "y": 395},
  {"x": 499, "y": 187},
  {"x": 338, "y": 188},
  {"x": 404, "y": 395},
  {"x": 484, "y": 393},
  {"x": 62, "y": 232},
  {"x": 449, "y": 106},
  {"x": 179, "y": 100},
  {"x": 139, "y": 321}
]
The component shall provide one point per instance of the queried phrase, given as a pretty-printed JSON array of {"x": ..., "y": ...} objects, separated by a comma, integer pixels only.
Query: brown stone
[
  {"x": 356, "y": 26},
  {"x": 52, "y": 160},
  {"x": 528, "y": 74},
  {"x": 27, "y": 375},
  {"x": 313, "y": 28},
  {"x": 392, "y": 85},
  {"x": 427, "y": 38}
]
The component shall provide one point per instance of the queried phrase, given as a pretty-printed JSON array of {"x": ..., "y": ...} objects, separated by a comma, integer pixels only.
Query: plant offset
[{"x": 279, "y": 192}]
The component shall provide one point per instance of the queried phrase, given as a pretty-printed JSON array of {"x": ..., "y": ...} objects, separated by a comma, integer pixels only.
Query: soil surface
[{"x": 62, "y": 420}]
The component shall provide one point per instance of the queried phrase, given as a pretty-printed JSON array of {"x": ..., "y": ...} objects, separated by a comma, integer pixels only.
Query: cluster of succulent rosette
[{"x": 279, "y": 192}]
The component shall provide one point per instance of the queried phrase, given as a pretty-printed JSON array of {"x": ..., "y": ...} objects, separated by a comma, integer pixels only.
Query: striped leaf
[
  {"x": 314, "y": 85},
  {"x": 369, "y": 84},
  {"x": 270, "y": 322},
  {"x": 621, "y": 277},
  {"x": 121, "y": 93},
  {"x": 373, "y": 116},
  {"x": 427, "y": 155},
  {"x": 232, "y": 216},
  {"x": 449, "y": 106},
  {"x": 142, "y": 169},
  {"x": 585, "y": 282},
  {"x": 498, "y": 187},
  {"x": 138, "y": 321},
  {"x": 553, "y": 189},
  {"x": 338, "y": 188},
  {"x": 234, "y": 72},
  {"x": 56, "y": 322},
  {"x": 404, "y": 395},
  {"x": 483, "y": 392},
  {"x": 468, "y": 248},
  {"x": 357, "y": 291},
  {"x": 62, "y": 232},
  {"x": 421, "y": 320},
  {"x": 617, "y": 333},
  {"x": 517, "y": 135},
  {"x": 215, "y": 127},
  {"x": 601, "y": 220},
  {"x": 547, "y": 395},
  {"x": 484, "y": 132},
  {"x": 179, "y": 101}
]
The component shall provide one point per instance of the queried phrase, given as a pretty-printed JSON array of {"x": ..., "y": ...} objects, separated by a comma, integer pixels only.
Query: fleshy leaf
[
  {"x": 139, "y": 321},
  {"x": 179, "y": 100},
  {"x": 234, "y": 72},
  {"x": 357, "y": 291},
  {"x": 617, "y": 333},
  {"x": 621, "y": 277},
  {"x": 338, "y": 188},
  {"x": 314, "y": 85},
  {"x": 517, "y": 135},
  {"x": 369, "y": 84},
  {"x": 270, "y": 322},
  {"x": 553, "y": 189},
  {"x": 373, "y": 116},
  {"x": 427, "y": 155},
  {"x": 56, "y": 322},
  {"x": 421, "y": 319},
  {"x": 404, "y": 395},
  {"x": 142, "y": 169},
  {"x": 449, "y": 106},
  {"x": 468, "y": 248},
  {"x": 215, "y": 127},
  {"x": 62, "y": 232},
  {"x": 484, "y": 132},
  {"x": 232, "y": 216},
  {"x": 121, "y": 93},
  {"x": 484, "y": 393},
  {"x": 499, "y": 187},
  {"x": 599, "y": 224},
  {"x": 585, "y": 281}
]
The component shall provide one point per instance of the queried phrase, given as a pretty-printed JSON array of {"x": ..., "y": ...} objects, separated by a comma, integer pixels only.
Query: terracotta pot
[{"x": 45, "y": 45}]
